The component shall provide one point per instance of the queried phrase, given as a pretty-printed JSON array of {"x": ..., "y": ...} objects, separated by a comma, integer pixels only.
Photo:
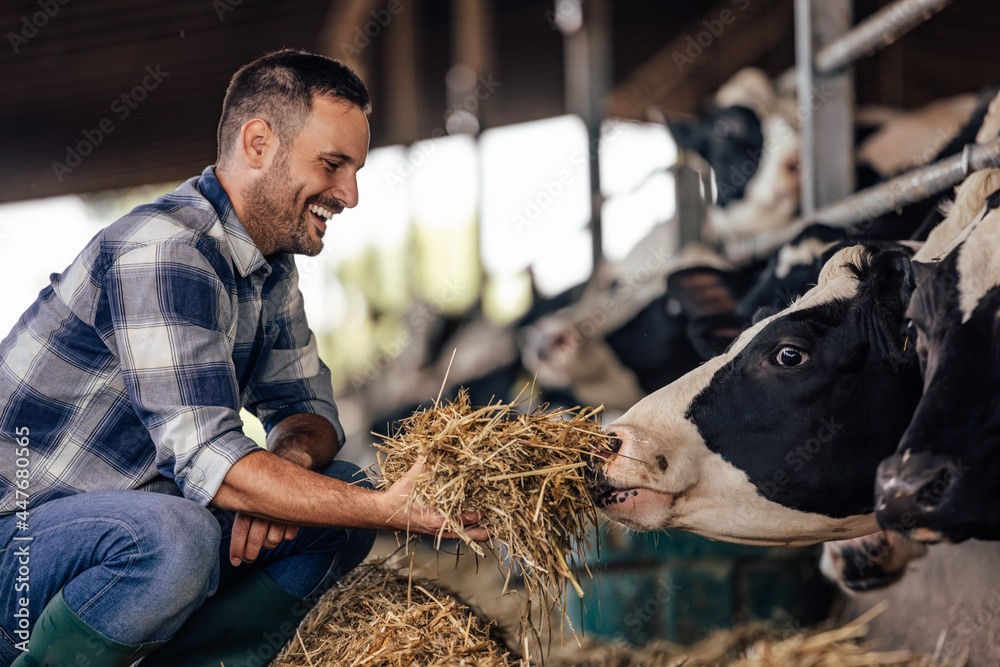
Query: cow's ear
[
  {"x": 921, "y": 270},
  {"x": 893, "y": 289},
  {"x": 686, "y": 135},
  {"x": 907, "y": 279},
  {"x": 711, "y": 335},
  {"x": 702, "y": 291},
  {"x": 763, "y": 313}
]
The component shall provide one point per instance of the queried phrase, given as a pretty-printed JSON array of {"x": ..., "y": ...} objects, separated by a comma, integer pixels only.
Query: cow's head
[
  {"x": 731, "y": 140},
  {"x": 776, "y": 441},
  {"x": 942, "y": 483},
  {"x": 606, "y": 361}
]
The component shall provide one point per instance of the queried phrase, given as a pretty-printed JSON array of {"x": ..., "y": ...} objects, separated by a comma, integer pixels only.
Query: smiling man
[{"x": 144, "y": 519}]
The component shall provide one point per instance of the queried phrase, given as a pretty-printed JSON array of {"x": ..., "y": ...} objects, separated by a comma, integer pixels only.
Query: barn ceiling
[{"x": 101, "y": 94}]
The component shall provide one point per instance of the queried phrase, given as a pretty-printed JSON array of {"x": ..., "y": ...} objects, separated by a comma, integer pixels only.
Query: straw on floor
[
  {"x": 758, "y": 645},
  {"x": 377, "y": 617}
]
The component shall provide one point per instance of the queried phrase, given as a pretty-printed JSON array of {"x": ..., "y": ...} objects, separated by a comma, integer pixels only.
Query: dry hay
[
  {"x": 757, "y": 645},
  {"x": 525, "y": 473},
  {"x": 376, "y": 617}
]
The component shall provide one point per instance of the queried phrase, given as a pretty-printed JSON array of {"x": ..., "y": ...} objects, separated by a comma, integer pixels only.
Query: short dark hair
[{"x": 279, "y": 88}]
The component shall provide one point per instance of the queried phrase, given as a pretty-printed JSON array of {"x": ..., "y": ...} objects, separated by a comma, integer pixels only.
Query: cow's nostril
[
  {"x": 608, "y": 447},
  {"x": 930, "y": 494}
]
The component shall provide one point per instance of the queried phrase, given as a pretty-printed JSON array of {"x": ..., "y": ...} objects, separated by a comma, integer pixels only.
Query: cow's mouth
[
  {"x": 606, "y": 495},
  {"x": 612, "y": 496}
]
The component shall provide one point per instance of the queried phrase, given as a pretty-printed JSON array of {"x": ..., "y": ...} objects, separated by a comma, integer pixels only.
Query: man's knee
[{"x": 181, "y": 540}]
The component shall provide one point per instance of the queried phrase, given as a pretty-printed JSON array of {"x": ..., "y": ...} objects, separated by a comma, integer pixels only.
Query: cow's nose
[
  {"x": 610, "y": 445},
  {"x": 909, "y": 489}
]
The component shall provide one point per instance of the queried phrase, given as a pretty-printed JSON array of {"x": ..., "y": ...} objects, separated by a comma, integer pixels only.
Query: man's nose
[{"x": 346, "y": 190}]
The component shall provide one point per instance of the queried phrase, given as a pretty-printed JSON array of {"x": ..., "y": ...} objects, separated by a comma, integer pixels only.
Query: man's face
[{"x": 309, "y": 182}]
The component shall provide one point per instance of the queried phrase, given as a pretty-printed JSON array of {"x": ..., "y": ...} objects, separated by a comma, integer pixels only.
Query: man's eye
[
  {"x": 332, "y": 166},
  {"x": 791, "y": 356}
]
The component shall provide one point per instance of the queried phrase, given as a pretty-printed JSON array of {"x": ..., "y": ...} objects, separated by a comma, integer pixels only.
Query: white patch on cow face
[
  {"x": 979, "y": 263},
  {"x": 967, "y": 209},
  {"x": 697, "y": 490},
  {"x": 772, "y": 195}
]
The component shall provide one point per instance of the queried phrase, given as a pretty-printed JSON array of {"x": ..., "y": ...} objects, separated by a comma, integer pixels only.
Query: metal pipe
[
  {"x": 865, "y": 206},
  {"x": 804, "y": 78},
  {"x": 873, "y": 34}
]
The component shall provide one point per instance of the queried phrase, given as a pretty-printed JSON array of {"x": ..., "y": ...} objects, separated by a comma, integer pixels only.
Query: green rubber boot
[
  {"x": 245, "y": 624},
  {"x": 60, "y": 637}
]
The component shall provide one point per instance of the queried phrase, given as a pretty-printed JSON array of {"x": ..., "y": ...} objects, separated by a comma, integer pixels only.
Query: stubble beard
[{"x": 278, "y": 220}]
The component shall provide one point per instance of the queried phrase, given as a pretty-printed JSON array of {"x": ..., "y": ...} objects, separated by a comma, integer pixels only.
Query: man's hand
[
  {"x": 251, "y": 534},
  {"x": 407, "y": 513},
  {"x": 304, "y": 440}
]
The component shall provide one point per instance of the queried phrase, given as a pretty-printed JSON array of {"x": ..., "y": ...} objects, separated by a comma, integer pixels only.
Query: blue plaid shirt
[{"x": 135, "y": 361}]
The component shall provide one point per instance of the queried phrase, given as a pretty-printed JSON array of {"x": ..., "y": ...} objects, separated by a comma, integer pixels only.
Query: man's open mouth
[{"x": 321, "y": 215}]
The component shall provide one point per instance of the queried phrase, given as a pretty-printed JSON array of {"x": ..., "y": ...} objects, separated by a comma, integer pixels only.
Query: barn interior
[{"x": 519, "y": 152}]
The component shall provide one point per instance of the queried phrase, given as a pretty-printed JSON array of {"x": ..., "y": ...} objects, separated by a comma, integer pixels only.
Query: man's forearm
[
  {"x": 268, "y": 486},
  {"x": 305, "y": 439}
]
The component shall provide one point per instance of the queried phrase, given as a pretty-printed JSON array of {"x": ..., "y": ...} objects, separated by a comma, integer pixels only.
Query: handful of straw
[{"x": 526, "y": 474}]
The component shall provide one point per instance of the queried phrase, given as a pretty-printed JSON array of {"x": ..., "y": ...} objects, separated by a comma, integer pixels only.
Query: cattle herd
[{"x": 842, "y": 391}]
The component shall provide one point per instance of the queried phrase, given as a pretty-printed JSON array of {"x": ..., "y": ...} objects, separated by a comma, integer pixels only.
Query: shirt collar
[{"x": 246, "y": 256}]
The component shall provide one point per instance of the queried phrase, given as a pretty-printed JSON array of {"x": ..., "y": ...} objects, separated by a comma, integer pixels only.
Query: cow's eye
[{"x": 791, "y": 356}]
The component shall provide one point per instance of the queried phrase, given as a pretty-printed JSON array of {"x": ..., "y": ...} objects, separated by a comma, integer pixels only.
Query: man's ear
[{"x": 258, "y": 143}]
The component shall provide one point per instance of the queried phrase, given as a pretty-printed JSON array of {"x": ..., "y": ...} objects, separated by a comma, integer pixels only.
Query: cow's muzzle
[{"x": 909, "y": 490}]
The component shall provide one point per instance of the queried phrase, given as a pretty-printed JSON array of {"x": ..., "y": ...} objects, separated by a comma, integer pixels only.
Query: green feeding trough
[{"x": 679, "y": 587}]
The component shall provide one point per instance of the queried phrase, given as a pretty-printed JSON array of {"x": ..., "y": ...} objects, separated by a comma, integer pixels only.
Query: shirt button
[{"x": 196, "y": 475}]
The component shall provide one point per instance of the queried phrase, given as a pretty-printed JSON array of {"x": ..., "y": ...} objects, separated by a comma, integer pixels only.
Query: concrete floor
[{"x": 947, "y": 602}]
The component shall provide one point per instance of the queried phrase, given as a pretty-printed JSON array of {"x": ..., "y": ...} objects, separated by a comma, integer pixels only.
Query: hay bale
[
  {"x": 527, "y": 475},
  {"x": 377, "y": 617}
]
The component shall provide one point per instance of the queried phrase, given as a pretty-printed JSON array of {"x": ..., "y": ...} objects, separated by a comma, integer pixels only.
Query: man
[{"x": 127, "y": 376}]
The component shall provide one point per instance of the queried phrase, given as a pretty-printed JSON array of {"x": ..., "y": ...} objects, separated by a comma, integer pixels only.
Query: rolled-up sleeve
[
  {"x": 170, "y": 312},
  {"x": 293, "y": 380}
]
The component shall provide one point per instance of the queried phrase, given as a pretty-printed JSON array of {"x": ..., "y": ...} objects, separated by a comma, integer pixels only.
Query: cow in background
[
  {"x": 750, "y": 138},
  {"x": 625, "y": 337},
  {"x": 751, "y": 142}
]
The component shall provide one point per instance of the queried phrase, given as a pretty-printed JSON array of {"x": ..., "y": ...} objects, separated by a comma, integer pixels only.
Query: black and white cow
[
  {"x": 943, "y": 481},
  {"x": 776, "y": 441}
]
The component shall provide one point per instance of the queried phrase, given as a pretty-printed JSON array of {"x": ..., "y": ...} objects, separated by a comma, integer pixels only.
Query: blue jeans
[{"x": 134, "y": 565}]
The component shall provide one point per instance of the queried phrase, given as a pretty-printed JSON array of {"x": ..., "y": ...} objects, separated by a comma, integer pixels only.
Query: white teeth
[{"x": 320, "y": 211}]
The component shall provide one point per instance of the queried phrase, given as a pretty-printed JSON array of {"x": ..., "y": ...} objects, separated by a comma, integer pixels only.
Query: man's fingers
[
  {"x": 275, "y": 534},
  {"x": 291, "y": 532},
  {"x": 255, "y": 538},
  {"x": 470, "y": 518},
  {"x": 237, "y": 545},
  {"x": 478, "y": 533}
]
